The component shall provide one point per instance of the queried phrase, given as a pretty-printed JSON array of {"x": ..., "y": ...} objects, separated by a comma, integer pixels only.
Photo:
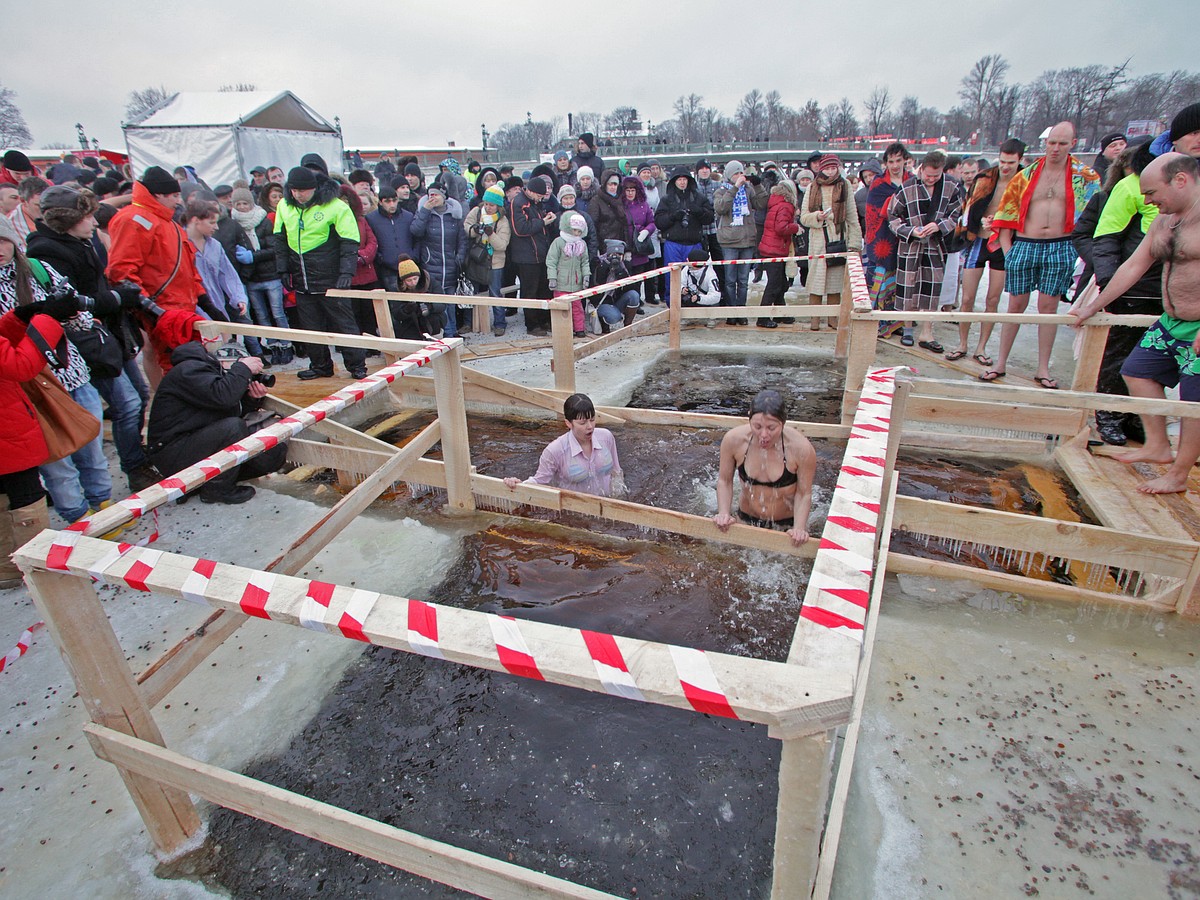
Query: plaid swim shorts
[{"x": 1045, "y": 265}]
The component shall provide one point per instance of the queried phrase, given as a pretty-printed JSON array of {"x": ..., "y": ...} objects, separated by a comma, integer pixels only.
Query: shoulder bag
[
  {"x": 66, "y": 426},
  {"x": 838, "y": 246}
]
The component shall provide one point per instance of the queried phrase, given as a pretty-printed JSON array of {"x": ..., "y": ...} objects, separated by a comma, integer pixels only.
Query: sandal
[
  {"x": 931, "y": 346},
  {"x": 1048, "y": 383},
  {"x": 982, "y": 360},
  {"x": 906, "y": 340},
  {"x": 955, "y": 354},
  {"x": 991, "y": 376}
]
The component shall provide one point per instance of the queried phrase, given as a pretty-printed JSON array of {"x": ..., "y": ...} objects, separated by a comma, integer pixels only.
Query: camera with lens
[
  {"x": 131, "y": 297},
  {"x": 264, "y": 378},
  {"x": 64, "y": 291}
]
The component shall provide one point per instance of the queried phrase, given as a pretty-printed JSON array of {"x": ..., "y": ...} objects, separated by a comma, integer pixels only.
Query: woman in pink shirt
[{"x": 584, "y": 459}]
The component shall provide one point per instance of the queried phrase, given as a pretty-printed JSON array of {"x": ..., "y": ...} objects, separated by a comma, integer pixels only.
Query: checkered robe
[{"x": 921, "y": 264}]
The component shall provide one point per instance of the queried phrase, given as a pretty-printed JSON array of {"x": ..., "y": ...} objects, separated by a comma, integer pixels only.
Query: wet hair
[
  {"x": 896, "y": 149},
  {"x": 934, "y": 159},
  {"x": 197, "y": 208},
  {"x": 769, "y": 403},
  {"x": 578, "y": 406},
  {"x": 1013, "y": 145}
]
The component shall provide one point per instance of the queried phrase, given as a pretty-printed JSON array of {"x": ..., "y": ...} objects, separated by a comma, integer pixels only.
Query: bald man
[
  {"x": 1034, "y": 223},
  {"x": 1167, "y": 354}
]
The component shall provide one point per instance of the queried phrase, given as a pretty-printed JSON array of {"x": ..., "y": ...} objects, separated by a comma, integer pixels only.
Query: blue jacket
[
  {"x": 394, "y": 234},
  {"x": 442, "y": 244}
]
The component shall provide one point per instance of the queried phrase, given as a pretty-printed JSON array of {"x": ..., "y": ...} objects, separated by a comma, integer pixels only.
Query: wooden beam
[
  {"x": 466, "y": 300},
  {"x": 76, "y": 620},
  {"x": 674, "y": 307},
  {"x": 901, "y": 563},
  {"x": 725, "y": 312},
  {"x": 1025, "y": 318},
  {"x": 841, "y": 344},
  {"x": 527, "y": 395},
  {"x": 562, "y": 343},
  {"x": 1091, "y": 354},
  {"x": 984, "y": 413},
  {"x": 973, "y": 443},
  {"x": 166, "y": 672},
  {"x": 861, "y": 356},
  {"x": 653, "y": 323},
  {"x": 1063, "y": 399},
  {"x": 367, "y": 341},
  {"x": 1141, "y": 552},
  {"x": 335, "y": 431},
  {"x": 437, "y": 861},
  {"x": 456, "y": 443},
  {"x": 334, "y": 456},
  {"x": 330, "y": 525}
]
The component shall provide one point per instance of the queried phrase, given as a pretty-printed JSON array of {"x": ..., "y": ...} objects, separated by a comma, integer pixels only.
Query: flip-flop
[
  {"x": 906, "y": 340},
  {"x": 931, "y": 346},
  {"x": 955, "y": 354},
  {"x": 993, "y": 376},
  {"x": 1048, "y": 383},
  {"x": 982, "y": 360}
]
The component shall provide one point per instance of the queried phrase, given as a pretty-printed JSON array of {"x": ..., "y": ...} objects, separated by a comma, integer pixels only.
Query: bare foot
[
  {"x": 1145, "y": 454},
  {"x": 1165, "y": 484}
]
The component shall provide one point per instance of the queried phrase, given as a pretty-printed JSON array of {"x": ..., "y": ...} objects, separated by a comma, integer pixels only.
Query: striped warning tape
[{"x": 23, "y": 643}]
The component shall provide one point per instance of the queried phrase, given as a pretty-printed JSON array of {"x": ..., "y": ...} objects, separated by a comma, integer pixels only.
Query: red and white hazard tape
[
  {"x": 23, "y": 643},
  {"x": 189, "y": 479},
  {"x": 840, "y": 585}
]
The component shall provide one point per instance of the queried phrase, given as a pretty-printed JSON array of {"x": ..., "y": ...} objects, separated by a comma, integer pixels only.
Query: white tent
[{"x": 226, "y": 134}]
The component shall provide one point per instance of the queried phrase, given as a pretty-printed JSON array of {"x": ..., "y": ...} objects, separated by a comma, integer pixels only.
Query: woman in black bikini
[{"x": 775, "y": 464}]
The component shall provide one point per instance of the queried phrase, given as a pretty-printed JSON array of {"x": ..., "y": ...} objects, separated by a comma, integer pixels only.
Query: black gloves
[
  {"x": 129, "y": 294},
  {"x": 754, "y": 180},
  {"x": 286, "y": 280},
  {"x": 488, "y": 230},
  {"x": 57, "y": 307},
  {"x": 343, "y": 282},
  {"x": 206, "y": 304}
]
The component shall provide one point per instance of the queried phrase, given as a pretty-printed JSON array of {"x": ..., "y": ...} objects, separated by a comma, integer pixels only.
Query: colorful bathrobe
[
  {"x": 1080, "y": 181},
  {"x": 921, "y": 262}
]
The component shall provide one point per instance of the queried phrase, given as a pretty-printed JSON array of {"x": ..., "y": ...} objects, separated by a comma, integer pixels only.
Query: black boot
[{"x": 1108, "y": 426}]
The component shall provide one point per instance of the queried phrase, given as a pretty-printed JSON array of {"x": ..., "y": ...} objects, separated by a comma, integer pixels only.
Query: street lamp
[
  {"x": 483, "y": 130},
  {"x": 81, "y": 135}
]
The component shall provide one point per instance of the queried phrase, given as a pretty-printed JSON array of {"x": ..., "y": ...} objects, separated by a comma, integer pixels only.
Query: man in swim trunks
[
  {"x": 1034, "y": 223},
  {"x": 775, "y": 464},
  {"x": 1167, "y": 354}
]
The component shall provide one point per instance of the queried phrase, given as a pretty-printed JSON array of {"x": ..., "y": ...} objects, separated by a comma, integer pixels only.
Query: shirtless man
[
  {"x": 1035, "y": 218},
  {"x": 986, "y": 192},
  {"x": 1167, "y": 354}
]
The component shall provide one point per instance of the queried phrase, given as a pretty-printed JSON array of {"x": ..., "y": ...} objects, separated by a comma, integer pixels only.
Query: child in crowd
[{"x": 567, "y": 267}]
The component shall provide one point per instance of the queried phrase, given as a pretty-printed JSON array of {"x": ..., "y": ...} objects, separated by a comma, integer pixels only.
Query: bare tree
[
  {"x": 586, "y": 121},
  {"x": 808, "y": 121},
  {"x": 527, "y": 139},
  {"x": 907, "y": 118},
  {"x": 13, "y": 130},
  {"x": 877, "y": 105},
  {"x": 775, "y": 115},
  {"x": 622, "y": 121},
  {"x": 980, "y": 90},
  {"x": 838, "y": 120},
  {"x": 143, "y": 102},
  {"x": 242, "y": 87},
  {"x": 690, "y": 118},
  {"x": 751, "y": 116}
]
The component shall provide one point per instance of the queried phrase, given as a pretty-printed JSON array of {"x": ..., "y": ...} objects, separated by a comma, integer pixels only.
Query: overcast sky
[{"x": 420, "y": 72}]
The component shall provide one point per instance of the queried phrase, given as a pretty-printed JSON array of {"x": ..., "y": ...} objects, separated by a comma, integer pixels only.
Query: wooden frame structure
[{"x": 803, "y": 701}]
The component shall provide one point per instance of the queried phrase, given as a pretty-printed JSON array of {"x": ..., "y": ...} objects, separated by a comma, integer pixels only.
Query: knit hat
[
  {"x": 698, "y": 256},
  {"x": 301, "y": 179},
  {"x": 435, "y": 189},
  {"x": 560, "y": 154},
  {"x": 315, "y": 162},
  {"x": 105, "y": 185},
  {"x": 804, "y": 173},
  {"x": 828, "y": 161},
  {"x": 644, "y": 167},
  {"x": 653, "y": 162},
  {"x": 733, "y": 167},
  {"x": 412, "y": 169},
  {"x": 494, "y": 195},
  {"x": 240, "y": 194},
  {"x": 157, "y": 181},
  {"x": 585, "y": 172},
  {"x": 872, "y": 165},
  {"x": 588, "y": 138},
  {"x": 565, "y": 190},
  {"x": 703, "y": 164},
  {"x": 8, "y": 232},
  {"x": 65, "y": 207},
  {"x": 16, "y": 161},
  {"x": 387, "y": 192},
  {"x": 407, "y": 267},
  {"x": 1109, "y": 138},
  {"x": 538, "y": 184},
  {"x": 1185, "y": 122},
  {"x": 577, "y": 223}
]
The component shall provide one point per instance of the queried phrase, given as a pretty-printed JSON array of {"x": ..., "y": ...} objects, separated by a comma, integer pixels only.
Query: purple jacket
[{"x": 638, "y": 216}]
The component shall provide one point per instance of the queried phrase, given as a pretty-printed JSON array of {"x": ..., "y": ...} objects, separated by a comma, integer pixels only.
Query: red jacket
[
  {"x": 364, "y": 273},
  {"x": 778, "y": 227},
  {"x": 21, "y": 443},
  {"x": 146, "y": 241},
  {"x": 7, "y": 177}
]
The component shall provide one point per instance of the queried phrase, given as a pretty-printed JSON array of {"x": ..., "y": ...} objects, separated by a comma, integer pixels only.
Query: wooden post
[
  {"x": 76, "y": 621},
  {"x": 841, "y": 344},
  {"x": 383, "y": 319},
  {"x": 863, "y": 334},
  {"x": 561, "y": 338},
  {"x": 804, "y": 766},
  {"x": 452, "y": 416},
  {"x": 1087, "y": 367},
  {"x": 676, "y": 301}
]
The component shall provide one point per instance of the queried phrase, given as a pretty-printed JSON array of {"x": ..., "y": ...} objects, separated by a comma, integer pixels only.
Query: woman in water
[
  {"x": 584, "y": 459},
  {"x": 775, "y": 463}
]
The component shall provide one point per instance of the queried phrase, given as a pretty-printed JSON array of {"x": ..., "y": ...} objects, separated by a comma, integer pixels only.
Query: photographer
[{"x": 198, "y": 409}]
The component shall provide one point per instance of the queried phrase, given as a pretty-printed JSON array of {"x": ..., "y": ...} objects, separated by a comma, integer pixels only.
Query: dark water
[{"x": 626, "y": 797}]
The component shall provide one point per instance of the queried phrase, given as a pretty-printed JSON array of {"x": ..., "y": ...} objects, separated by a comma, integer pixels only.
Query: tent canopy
[{"x": 225, "y": 134}]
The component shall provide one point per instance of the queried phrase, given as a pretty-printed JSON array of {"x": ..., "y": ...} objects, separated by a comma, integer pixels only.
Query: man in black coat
[
  {"x": 198, "y": 409},
  {"x": 682, "y": 214}
]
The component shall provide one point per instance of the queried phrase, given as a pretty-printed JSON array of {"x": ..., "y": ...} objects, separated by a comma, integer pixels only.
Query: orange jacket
[{"x": 146, "y": 241}]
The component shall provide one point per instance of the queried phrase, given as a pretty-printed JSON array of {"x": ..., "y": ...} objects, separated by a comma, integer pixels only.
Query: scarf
[
  {"x": 485, "y": 219},
  {"x": 574, "y": 246},
  {"x": 838, "y": 203},
  {"x": 249, "y": 221},
  {"x": 741, "y": 205}
]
